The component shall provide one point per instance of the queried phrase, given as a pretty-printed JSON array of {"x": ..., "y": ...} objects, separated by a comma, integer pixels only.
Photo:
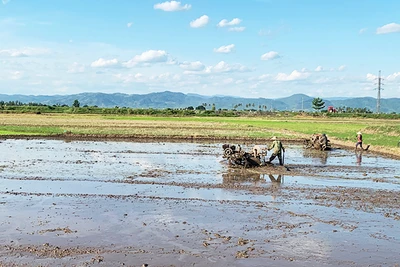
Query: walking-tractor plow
[
  {"x": 317, "y": 141},
  {"x": 237, "y": 157}
]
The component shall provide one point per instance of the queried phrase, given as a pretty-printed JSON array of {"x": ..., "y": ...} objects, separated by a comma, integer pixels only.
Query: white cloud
[
  {"x": 225, "y": 22},
  {"x": 295, "y": 75},
  {"x": 394, "y": 76},
  {"x": 138, "y": 77},
  {"x": 104, "y": 63},
  {"x": 200, "y": 22},
  {"x": 12, "y": 53},
  {"x": 192, "y": 66},
  {"x": 256, "y": 85},
  {"x": 264, "y": 76},
  {"x": 222, "y": 67},
  {"x": 227, "y": 81},
  {"x": 5, "y": 1},
  {"x": 172, "y": 6},
  {"x": 73, "y": 61},
  {"x": 236, "y": 29},
  {"x": 225, "y": 49},
  {"x": 76, "y": 68},
  {"x": 16, "y": 75},
  {"x": 172, "y": 61},
  {"x": 165, "y": 77},
  {"x": 324, "y": 80},
  {"x": 388, "y": 28},
  {"x": 129, "y": 24},
  {"x": 363, "y": 30},
  {"x": 371, "y": 77},
  {"x": 24, "y": 52},
  {"x": 390, "y": 78},
  {"x": 319, "y": 68},
  {"x": 219, "y": 68},
  {"x": 153, "y": 80},
  {"x": 150, "y": 56},
  {"x": 270, "y": 55}
]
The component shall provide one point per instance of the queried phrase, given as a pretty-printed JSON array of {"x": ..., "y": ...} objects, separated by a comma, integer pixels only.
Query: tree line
[{"x": 204, "y": 109}]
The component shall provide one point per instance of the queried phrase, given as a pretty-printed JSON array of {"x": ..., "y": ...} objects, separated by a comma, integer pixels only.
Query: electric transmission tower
[{"x": 378, "y": 99}]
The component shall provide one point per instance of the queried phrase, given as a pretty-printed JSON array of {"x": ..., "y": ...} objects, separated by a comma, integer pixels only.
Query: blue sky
[{"x": 248, "y": 48}]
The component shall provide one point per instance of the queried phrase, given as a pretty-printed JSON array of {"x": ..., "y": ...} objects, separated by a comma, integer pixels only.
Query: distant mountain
[
  {"x": 197, "y": 95},
  {"x": 337, "y": 98},
  {"x": 169, "y": 99}
]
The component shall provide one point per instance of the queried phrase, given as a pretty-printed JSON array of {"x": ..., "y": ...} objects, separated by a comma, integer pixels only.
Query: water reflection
[
  {"x": 278, "y": 180},
  {"x": 275, "y": 185},
  {"x": 358, "y": 157},
  {"x": 242, "y": 177},
  {"x": 256, "y": 178},
  {"x": 321, "y": 156}
]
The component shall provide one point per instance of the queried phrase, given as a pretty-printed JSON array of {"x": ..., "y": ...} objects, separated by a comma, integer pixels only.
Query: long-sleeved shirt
[
  {"x": 277, "y": 147},
  {"x": 323, "y": 140}
]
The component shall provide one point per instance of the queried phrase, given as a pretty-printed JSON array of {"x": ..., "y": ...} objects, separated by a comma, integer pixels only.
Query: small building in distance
[{"x": 332, "y": 109}]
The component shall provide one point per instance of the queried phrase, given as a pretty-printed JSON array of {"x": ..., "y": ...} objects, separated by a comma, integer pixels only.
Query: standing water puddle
[{"x": 45, "y": 166}]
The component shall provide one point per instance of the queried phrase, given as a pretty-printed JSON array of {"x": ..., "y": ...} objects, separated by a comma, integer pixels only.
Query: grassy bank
[{"x": 382, "y": 134}]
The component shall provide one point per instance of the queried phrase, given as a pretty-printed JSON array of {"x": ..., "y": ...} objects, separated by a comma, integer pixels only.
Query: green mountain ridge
[{"x": 167, "y": 99}]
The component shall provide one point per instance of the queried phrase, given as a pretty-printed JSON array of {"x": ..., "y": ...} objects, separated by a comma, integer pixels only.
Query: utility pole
[
  {"x": 302, "y": 104},
  {"x": 378, "y": 99}
]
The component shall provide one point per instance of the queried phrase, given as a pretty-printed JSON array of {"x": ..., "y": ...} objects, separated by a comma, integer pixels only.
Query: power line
[{"x": 378, "y": 99}]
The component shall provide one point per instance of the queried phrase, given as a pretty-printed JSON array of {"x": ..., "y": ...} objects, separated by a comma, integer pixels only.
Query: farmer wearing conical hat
[
  {"x": 277, "y": 150},
  {"x": 360, "y": 141}
]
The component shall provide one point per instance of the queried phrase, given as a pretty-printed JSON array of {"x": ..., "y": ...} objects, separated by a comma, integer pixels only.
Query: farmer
[
  {"x": 323, "y": 141},
  {"x": 360, "y": 141},
  {"x": 277, "y": 150}
]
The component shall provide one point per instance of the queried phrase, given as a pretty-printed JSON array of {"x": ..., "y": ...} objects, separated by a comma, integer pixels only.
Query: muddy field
[{"x": 114, "y": 203}]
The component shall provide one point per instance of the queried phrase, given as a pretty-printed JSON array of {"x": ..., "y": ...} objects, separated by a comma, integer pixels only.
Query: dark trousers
[
  {"x": 273, "y": 156},
  {"x": 359, "y": 144}
]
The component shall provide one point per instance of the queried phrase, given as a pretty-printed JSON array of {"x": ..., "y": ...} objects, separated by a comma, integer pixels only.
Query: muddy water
[{"x": 78, "y": 203}]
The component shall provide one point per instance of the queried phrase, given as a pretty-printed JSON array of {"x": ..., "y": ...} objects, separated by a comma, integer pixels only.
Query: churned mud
[{"x": 135, "y": 203}]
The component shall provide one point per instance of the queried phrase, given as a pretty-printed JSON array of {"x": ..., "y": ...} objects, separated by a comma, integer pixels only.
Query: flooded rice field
[{"x": 113, "y": 203}]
